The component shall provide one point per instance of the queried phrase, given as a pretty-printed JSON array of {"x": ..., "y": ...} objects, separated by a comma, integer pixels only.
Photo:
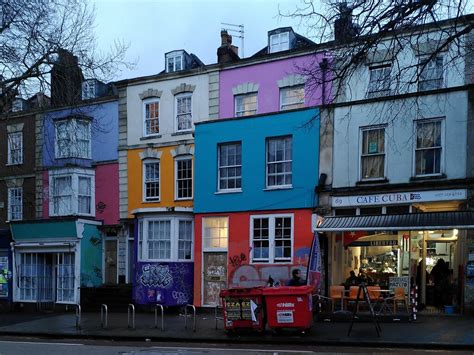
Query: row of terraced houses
[{"x": 168, "y": 188}]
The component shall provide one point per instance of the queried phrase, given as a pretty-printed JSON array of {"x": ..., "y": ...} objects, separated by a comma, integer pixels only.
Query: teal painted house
[{"x": 55, "y": 258}]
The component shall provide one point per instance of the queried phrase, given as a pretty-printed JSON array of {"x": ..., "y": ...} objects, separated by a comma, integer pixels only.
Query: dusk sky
[{"x": 154, "y": 27}]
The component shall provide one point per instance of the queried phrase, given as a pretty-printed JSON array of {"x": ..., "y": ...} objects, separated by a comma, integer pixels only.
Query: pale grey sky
[{"x": 154, "y": 27}]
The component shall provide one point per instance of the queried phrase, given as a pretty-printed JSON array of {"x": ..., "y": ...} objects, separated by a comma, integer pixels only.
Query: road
[{"x": 24, "y": 346}]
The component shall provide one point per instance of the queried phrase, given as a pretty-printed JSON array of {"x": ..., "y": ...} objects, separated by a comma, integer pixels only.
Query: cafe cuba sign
[{"x": 397, "y": 198}]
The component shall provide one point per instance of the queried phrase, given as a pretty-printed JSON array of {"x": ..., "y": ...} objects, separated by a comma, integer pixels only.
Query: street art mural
[
  {"x": 170, "y": 284},
  {"x": 252, "y": 275}
]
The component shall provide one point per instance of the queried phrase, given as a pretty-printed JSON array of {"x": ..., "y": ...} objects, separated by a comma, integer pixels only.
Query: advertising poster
[{"x": 4, "y": 276}]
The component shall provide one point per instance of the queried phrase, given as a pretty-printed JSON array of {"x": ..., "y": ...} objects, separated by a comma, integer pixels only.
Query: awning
[{"x": 402, "y": 222}]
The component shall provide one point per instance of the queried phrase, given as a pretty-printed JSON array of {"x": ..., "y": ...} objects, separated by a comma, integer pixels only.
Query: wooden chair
[
  {"x": 336, "y": 293},
  {"x": 353, "y": 291},
  {"x": 399, "y": 296}
]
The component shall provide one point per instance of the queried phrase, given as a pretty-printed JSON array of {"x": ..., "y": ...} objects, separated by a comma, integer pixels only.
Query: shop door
[
  {"x": 214, "y": 277},
  {"x": 110, "y": 261}
]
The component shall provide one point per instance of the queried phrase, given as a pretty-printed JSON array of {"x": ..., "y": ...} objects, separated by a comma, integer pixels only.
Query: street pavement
[{"x": 437, "y": 332}]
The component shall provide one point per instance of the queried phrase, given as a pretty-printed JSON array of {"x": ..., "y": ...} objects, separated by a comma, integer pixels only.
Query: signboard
[
  {"x": 4, "y": 276},
  {"x": 403, "y": 281},
  {"x": 374, "y": 243},
  {"x": 397, "y": 198}
]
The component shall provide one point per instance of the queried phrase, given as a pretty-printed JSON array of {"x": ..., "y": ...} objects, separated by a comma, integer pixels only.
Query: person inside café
[
  {"x": 363, "y": 277},
  {"x": 352, "y": 280}
]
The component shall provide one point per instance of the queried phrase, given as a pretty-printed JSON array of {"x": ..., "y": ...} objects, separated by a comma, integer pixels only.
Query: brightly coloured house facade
[
  {"x": 158, "y": 114},
  {"x": 68, "y": 247}
]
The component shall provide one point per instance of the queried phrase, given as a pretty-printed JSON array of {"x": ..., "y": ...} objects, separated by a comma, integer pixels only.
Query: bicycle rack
[
  {"x": 186, "y": 316},
  {"x": 156, "y": 316},
  {"x": 131, "y": 307},
  {"x": 103, "y": 316},
  {"x": 216, "y": 311},
  {"x": 78, "y": 316}
]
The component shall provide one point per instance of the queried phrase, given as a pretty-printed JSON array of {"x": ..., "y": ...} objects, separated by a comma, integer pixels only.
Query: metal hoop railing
[
  {"x": 103, "y": 316},
  {"x": 132, "y": 308},
  {"x": 162, "y": 316},
  {"x": 186, "y": 316}
]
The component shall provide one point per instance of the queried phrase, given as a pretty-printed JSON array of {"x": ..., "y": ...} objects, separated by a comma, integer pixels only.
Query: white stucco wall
[
  {"x": 399, "y": 117},
  {"x": 135, "y": 107}
]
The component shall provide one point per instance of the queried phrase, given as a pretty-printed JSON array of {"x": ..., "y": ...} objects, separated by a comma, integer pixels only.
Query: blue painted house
[
  {"x": 77, "y": 240},
  {"x": 255, "y": 193}
]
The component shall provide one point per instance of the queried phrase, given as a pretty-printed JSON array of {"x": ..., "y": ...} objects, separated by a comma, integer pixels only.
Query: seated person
[
  {"x": 352, "y": 280},
  {"x": 296, "y": 279}
]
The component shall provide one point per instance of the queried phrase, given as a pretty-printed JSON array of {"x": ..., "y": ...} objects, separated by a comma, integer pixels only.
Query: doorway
[
  {"x": 110, "y": 262},
  {"x": 214, "y": 277}
]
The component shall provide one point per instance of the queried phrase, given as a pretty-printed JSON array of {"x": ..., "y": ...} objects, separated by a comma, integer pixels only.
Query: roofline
[{"x": 273, "y": 113}]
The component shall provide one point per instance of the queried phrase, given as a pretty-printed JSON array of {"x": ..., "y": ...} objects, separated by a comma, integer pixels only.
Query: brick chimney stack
[{"x": 227, "y": 53}]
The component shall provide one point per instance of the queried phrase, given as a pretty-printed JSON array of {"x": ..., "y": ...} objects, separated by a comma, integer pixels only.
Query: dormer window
[
  {"x": 279, "y": 42},
  {"x": 18, "y": 105},
  {"x": 89, "y": 89},
  {"x": 174, "y": 61}
]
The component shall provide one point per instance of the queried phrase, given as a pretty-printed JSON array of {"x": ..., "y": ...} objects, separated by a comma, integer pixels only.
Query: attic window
[
  {"x": 88, "y": 89},
  {"x": 18, "y": 105},
  {"x": 279, "y": 42},
  {"x": 174, "y": 62}
]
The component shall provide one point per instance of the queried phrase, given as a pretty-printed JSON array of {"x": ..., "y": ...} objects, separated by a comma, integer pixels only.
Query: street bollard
[
  {"x": 132, "y": 308},
  {"x": 78, "y": 316},
  {"x": 103, "y": 316},
  {"x": 162, "y": 316},
  {"x": 186, "y": 317}
]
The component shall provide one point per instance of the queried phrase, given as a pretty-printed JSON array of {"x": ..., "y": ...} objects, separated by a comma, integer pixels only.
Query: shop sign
[
  {"x": 403, "y": 281},
  {"x": 395, "y": 198},
  {"x": 374, "y": 243}
]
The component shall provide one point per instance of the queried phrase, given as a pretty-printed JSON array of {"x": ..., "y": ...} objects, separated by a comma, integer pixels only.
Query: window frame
[
  {"x": 145, "y": 198},
  {"x": 274, "y": 48},
  {"x": 292, "y": 105},
  {"x": 184, "y": 95},
  {"x": 442, "y": 121},
  {"x": 18, "y": 198},
  {"x": 146, "y": 102},
  {"x": 174, "y": 238},
  {"x": 245, "y": 113},
  {"x": 271, "y": 239},
  {"x": 386, "y": 90},
  {"x": 362, "y": 155},
  {"x": 73, "y": 175},
  {"x": 205, "y": 238},
  {"x": 268, "y": 163},
  {"x": 177, "y": 160},
  {"x": 11, "y": 149},
  {"x": 73, "y": 138},
  {"x": 220, "y": 168},
  {"x": 173, "y": 57},
  {"x": 424, "y": 60}
]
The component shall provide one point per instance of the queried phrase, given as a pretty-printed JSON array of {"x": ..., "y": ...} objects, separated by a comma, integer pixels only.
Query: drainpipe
[{"x": 323, "y": 65}]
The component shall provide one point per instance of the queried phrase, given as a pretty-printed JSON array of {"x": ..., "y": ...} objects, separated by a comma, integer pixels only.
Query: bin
[
  {"x": 243, "y": 308},
  {"x": 289, "y": 307}
]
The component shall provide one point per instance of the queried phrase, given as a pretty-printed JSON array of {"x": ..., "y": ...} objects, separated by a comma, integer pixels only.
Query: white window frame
[
  {"x": 143, "y": 238},
  {"x": 185, "y": 96},
  {"x": 295, "y": 104},
  {"x": 146, "y": 119},
  {"x": 243, "y": 113},
  {"x": 379, "y": 88},
  {"x": 176, "y": 178},
  {"x": 89, "y": 89},
  {"x": 174, "y": 58},
  {"x": 427, "y": 67},
  {"x": 15, "y": 194},
  {"x": 442, "y": 147},
  {"x": 282, "y": 42},
  {"x": 206, "y": 238},
  {"x": 285, "y": 161},
  {"x": 144, "y": 192},
  {"x": 73, "y": 174},
  {"x": 220, "y": 168},
  {"x": 271, "y": 239},
  {"x": 361, "y": 155},
  {"x": 73, "y": 138},
  {"x": 12, "y": 159},
  {"x": 65, "y": 283}
]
